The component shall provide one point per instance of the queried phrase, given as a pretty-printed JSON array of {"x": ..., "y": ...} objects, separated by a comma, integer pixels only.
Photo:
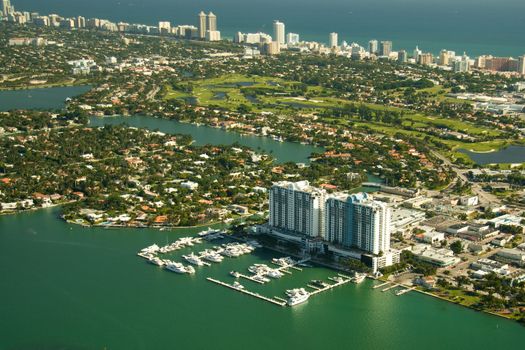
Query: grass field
[{"x": 279, "y": 96}]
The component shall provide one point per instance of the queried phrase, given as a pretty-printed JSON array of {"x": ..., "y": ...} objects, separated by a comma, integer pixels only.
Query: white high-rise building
[
  {"x": 81, "y": 22},
  {"x": 292, "y": 38},
  {"x": 417, "y": 53},
  {"x": 333, "y": 40},
  {"x": 279, "y": 32},
  {"x": 385, "y": 48},
  {"x": 7, "y": 8},
  {"x": 165, "y": 27},
  {"x": 212, "y": 22},
  {"x": 202, "y": 25},
  {"x": 213, "y": 35},
  {"x": 252, "y": 38},
  {"x": 373, "y": 47},
  {"x": 462, "y": 65},
  {"x": 358, "y": 221},
  {"x": 297, "y": 207}
]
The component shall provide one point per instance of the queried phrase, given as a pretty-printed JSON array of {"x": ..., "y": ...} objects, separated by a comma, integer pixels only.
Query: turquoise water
[
  {"x": 511, "y": 154},
  {"x": 282, "y": 151},
  {"x": 46, "y": 98},
  {"x": 475, "y": 26},
  {"x": 69, "y": 287}
]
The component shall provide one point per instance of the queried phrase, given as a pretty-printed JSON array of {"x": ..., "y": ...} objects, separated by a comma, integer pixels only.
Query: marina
[
  {"x": 295, "y": 296},
  {"x": 164, "y": 302},
  {"x": 204, "y": 258}
]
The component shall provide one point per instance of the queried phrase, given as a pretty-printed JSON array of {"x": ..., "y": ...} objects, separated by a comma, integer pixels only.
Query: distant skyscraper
[
  {"x": 521, "y": 65},
  {"x": 81, "y": 22},
  {"x": 165, "y": 27},
  {"x": 373, "y": 45},
  {"x": 6, "y": 7},
  {"x": 385, "y": 48},
  {"x": 212, "y": 21},
  {"x": 213, "y": 35},
  {"x": 425, "y": 59},
  {"x": 416, "y": 54},
  {"x": 334, "y": 41},
  {"x": 202, "y": 25},
  {"x": 462, "y": 65},
  {"x": 402, "y": 56},
  {"x": 278, "y": 32},
  {"x": 298, "y": 208},
  {"x": 292, "y": 38},
  {"x": 444, "y": 58}
]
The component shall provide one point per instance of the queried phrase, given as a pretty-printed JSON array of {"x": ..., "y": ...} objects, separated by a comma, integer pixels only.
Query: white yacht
[
  {"x": 157, "y": 261},
  {"x": 207, "y": 232},
  {"x": 261, "y": 278},
  {"x": 297, "y": 296},
  {"x": 274, "y": 274},
  {"x": 176, "y": 267},
  {"x": 190, "y": 270},
  {"x": 193, "y": 259},
  {"x": 298, "y": 299},
  {"x": 152, "y": 249},
  {"x": 213, "y": 257},
  {"x": 235, "y": 274},
  {"x": 237, "y": 285},
  {"x": 359, "y": 277},
  {"x": 145, "y": 255}
]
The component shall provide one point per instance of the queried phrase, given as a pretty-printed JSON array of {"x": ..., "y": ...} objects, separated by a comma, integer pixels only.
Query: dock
[
  {"x": 390, "y": 287},
  {"x": 330, "y": 286},
  {"x": 250, "y": 278},
  {"x": 380, "y": 285},
  {"x": 312, "y": 286},
  {"x": 280, "y": 302},
  {"x": 401, "y": 292}
]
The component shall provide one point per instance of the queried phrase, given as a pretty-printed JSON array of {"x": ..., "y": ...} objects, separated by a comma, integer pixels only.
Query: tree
[
  {"x": 461, "y": 280},
  {"x": 456, "y": 247}
]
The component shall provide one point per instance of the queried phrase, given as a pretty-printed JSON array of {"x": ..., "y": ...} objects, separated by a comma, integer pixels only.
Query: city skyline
[
  {"x": 233, "y": 23},
  {"x": 207, "y": 30}
]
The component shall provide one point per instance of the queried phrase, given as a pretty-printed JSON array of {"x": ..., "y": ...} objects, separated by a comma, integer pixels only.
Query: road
[
  {"x": 484, "y": 197},
  {"x": 151, "y": 95}
]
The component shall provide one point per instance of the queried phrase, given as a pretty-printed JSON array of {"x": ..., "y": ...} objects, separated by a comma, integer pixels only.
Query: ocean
[{"x": 474, "y": 26}]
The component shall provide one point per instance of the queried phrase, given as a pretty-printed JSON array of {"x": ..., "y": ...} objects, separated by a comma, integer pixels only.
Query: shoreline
[
  {"x": 42, "y": 87},
  {"x": 315, "y": 261}
]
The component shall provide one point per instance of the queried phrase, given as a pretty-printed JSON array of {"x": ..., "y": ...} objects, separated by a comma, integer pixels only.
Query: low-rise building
[
  {"x": 511, "y": 256},
  {"x": 439, "y": 257},
  {"x": 489, "y": 266},
  {"x": 472, "y": 231}
]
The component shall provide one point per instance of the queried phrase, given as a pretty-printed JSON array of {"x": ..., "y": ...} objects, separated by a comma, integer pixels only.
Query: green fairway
[{"x": 261, "y": 93}]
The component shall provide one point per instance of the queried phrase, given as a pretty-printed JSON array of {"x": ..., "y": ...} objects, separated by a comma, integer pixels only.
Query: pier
[
  {"x": 279, "y": 302},
  {"x": 330, "y": 286},
  {"x": 401, "y": 292},
  {"x": 312, "y": 286},
  {"x": 250, "y": 278},
  {"x": 390, "y": 287},
  {"x": 380, "y": 285}
]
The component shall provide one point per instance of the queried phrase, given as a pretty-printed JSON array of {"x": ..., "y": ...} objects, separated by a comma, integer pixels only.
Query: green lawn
[{"x": 277, "y": 95}]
